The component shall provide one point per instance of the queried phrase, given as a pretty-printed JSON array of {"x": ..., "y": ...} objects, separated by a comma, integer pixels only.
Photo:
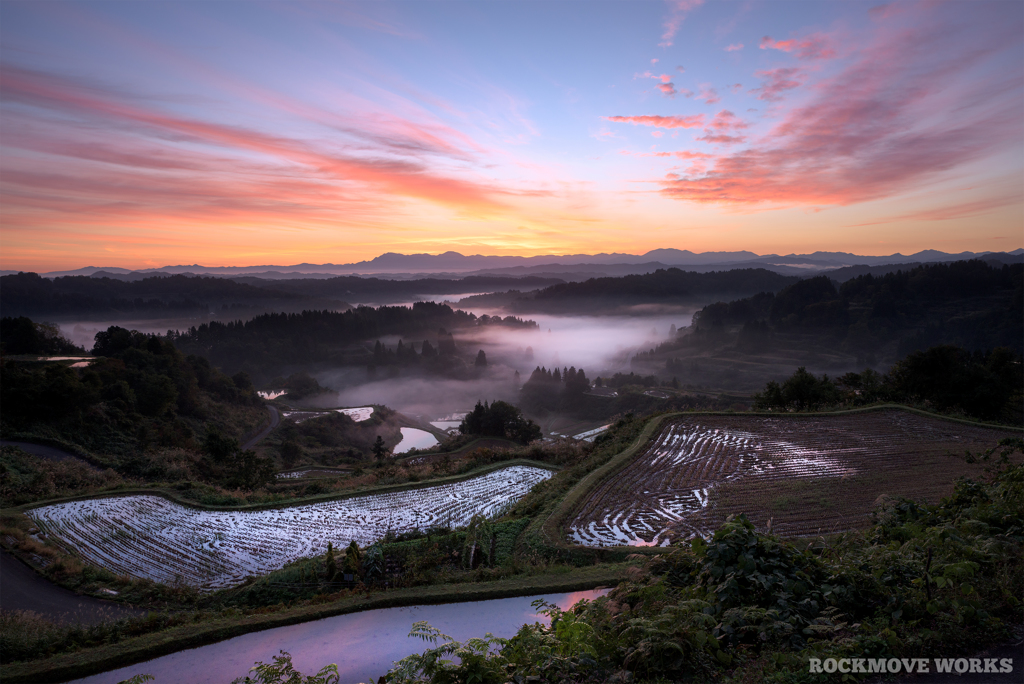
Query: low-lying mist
[{"x": 601, "y": 345}]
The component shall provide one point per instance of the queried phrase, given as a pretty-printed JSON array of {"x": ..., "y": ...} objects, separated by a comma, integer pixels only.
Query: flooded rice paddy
[
  {"x": 803, "y": 475},
  {"x": 153, "y": 538}
]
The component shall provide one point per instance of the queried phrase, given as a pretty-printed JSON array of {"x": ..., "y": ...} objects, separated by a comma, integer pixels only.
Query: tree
[
  {"x": 330, "y": 566},
  {"x": 291, "y": 452},
  {"x": 499, "y": 419},
  {"x": 380, "y": 451},
  {"x": 481, "y": 359},
  {"x": 353, "y": 559}
]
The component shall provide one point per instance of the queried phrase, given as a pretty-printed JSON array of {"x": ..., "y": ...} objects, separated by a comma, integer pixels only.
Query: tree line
[
  {"x": 268, "y": 342},
  {"x": 986, "y": 385},
  {"x": 972, "y": 304}
]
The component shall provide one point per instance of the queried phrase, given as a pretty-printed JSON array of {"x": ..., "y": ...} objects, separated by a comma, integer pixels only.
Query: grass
[
  {"x": 175, "y": 496},
  {"x": 138, "y": 649}
]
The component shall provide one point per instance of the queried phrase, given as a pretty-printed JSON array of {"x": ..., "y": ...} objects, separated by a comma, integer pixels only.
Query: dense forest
[
  {"x": 142, "y": 408},
  {"x": 663, "y": 286},
  {"x": 165, "y": 296},
  {"x": 969, "y": 303},
  {"x": 376, "y": 288},
  {"x": 985, "y": 385},
  {"x": 22, "y": 335},
  {"x": 267, "y": 343},
  {"x": 27, "y": 294}
]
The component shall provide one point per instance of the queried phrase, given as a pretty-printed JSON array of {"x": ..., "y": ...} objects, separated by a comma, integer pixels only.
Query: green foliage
[
  {"x": 138, "y": 679},
  {"x": 281, "y": 671},
  {"x": 229, "y": 464},
  {"x": 130, "y": 408},
  {"x": 983, "y": 385},
  {"x": 746, "y": 606},
  {"x": 380, "y": 451},
  {"x": 476, "y": 660},
  {"x": 500, "y": 419},
  {"x": 801, "y": 392},
  {"x": 23, "y": 336},
  {"x": 25, "y": 478}
]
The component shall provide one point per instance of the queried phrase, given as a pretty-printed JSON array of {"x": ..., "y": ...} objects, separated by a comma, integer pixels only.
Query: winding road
[
  {"x": 275, "y": 419},
  {"x": 22, "y": 588},
  {"x": 46, "y": 452}
]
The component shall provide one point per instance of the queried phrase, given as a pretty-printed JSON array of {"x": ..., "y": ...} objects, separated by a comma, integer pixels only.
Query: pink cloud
[
  {"x": 727, "y": 121},
  {"x": 814, "y": 46},
  {"x": 921, "y": 98},
  {"x": 695, "y": 121},
  {"x": 125, "y": 114},
  {"x": 680, "y": 69},
  {"x": 734, "y": 47},
  {"x": 777, "y": 81},
  {"x": 682, "y": 154},
  {"x": 722, "y": 139},
  {"x": 668, "y": 89},
  {"x": 657, "y": 134},
  {"x": 708, "y": 94},
  {"x": 677, "y": 14}
]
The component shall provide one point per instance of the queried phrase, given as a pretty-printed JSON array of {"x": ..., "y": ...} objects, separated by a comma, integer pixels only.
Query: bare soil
[{"x": 800, "y": 475}]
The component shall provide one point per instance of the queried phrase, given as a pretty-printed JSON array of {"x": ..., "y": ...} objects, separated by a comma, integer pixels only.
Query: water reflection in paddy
[
  {"x": 363, "y": 645},
  {"x": 413, "y": 438}
]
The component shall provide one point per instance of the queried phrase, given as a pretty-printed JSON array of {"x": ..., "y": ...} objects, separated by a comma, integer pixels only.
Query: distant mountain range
[{"x": 576, "y": 266}]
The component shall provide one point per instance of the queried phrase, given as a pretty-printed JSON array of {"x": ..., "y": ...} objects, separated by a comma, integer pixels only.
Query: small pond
[
  {"x": 363, "y": 645},
  {"x": 413, "y": 438}
]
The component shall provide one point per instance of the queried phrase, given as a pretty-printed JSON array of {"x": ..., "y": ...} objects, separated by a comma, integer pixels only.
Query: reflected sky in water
[{"x": 363, "y": 645}]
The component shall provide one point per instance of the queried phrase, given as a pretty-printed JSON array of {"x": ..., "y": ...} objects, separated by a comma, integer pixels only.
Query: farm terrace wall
[
  {"x": 151, "y": 537},
  {"x": 805, "y": 474}
]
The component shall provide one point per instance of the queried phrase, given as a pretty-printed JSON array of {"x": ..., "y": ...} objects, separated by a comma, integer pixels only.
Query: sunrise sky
[{"x": 141, "y": 134}]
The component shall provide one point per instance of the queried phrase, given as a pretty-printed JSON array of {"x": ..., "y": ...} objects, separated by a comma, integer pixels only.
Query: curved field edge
[
  {"x": 552, "y": 528},
  {"x": 146, "y": 647},
  {"x": 172, "y": 495}
]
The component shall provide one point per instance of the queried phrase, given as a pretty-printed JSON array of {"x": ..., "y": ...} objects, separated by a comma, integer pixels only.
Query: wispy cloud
[
  {"x": 734, "y": 47},
  {"x": 870, "y": 130},
  {"x": 777, "y": 81},
  {"x": 112, "y": 111},
  {"x": 678, "y": 10},
  {"x": 814, "y": 46},
  {"x": 708, "y": 94},
  {"x": 694, "y": 121}
]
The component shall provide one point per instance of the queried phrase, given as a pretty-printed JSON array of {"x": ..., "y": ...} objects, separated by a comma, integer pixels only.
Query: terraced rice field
[
  {"x": 151, "y": 537},
  {"x": 803, "y": 475},
  {"x": 357, "y": 414}
]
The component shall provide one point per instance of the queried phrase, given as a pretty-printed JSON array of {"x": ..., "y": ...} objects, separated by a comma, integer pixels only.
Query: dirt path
[
  {"x": 21, "y": 588},
  {"x": 275, "y": 419}
]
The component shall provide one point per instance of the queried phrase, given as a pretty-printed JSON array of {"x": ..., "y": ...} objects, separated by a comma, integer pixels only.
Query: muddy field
[{"x": 804, "y": 475}]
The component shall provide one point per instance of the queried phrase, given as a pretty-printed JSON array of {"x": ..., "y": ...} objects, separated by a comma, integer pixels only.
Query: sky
[{"x": 144, "y": 134}]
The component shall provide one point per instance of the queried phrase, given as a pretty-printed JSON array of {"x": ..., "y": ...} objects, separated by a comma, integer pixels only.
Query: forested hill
[
  {"x": 968, "y": 303},
  {"x": 354, "y": 287},
  {"x": 267, "y": 344},
  {"x": 662, "y": 286},
  {"x": 27, "y": 294}
]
